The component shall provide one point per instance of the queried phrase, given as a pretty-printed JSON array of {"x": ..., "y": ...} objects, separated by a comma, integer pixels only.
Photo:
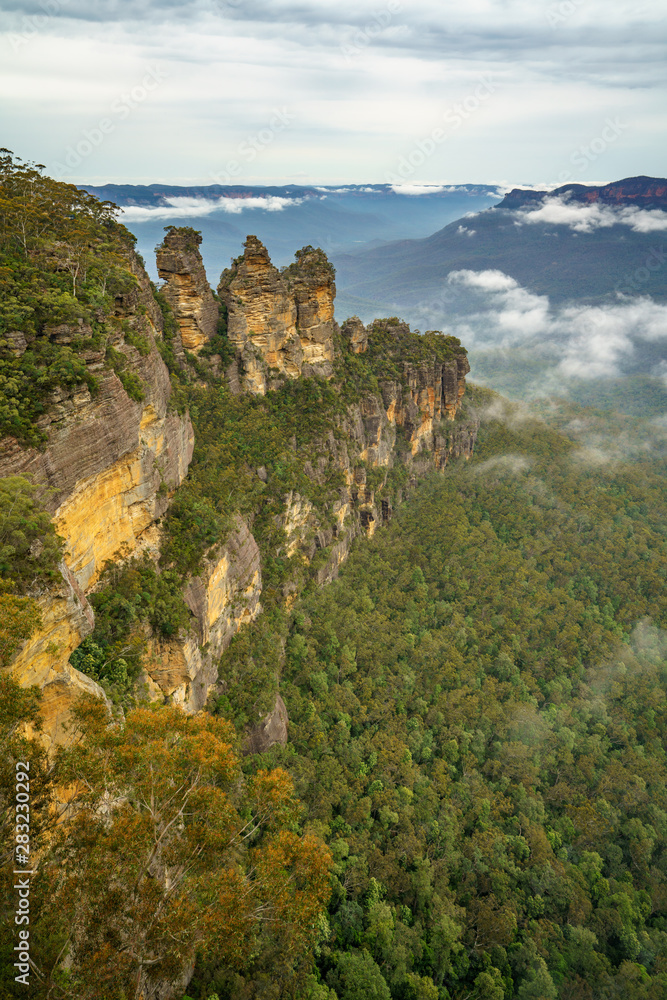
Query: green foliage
[
  {"x": 19, "y": 716},
  {"x": 192, "y": 527},
  {"x": 131, "y": 602},
  {"x": 478, "y": 715},
  {"x": 249, "y": 669},
  {"x": 26, "y": 383},
  {"x": 160, "y": 847},
  {"x": 357, "y": 977},
  {"x": 30, "y": 549},
  {"x": 129, "y": 379},
  {"x": 63, "y": 258},
  {"x": 19, "y": 618}
]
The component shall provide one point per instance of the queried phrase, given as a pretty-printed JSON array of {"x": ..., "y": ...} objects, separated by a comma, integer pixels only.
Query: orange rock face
[
  {"x": 222, "y": 599},
  {"x": 281, "y": 324},
  {"x": 111, "y": 462}
]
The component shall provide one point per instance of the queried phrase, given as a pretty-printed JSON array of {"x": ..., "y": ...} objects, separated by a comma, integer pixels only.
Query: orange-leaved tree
[{"x": 164, "y": 850}]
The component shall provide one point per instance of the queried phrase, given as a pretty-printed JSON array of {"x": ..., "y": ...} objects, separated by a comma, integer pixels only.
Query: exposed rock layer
[
  {"x": 222, "y": 599},
  {"x": 43, "y": 660},
  {"x": 111, "y": 462},
  {"x": 280, "y": 324},
  {"x": 180, "y": 266}
]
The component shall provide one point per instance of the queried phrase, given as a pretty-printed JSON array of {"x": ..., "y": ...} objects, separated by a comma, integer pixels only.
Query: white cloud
[
  {"x": 489, "y": 281},
  {"x": 583, "y": 342},
  {"x": 192, "y": 208},
  {"x": 417, "y": 189},
  {"x": 585, "y": 218},
  {"x": 510, "y": 464}
]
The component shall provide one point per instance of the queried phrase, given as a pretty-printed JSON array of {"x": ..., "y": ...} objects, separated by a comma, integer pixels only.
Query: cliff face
[
  {"x": 222, "y": 599},
  {"x": 280, "y": 324},
  {"x": 427, "y": 392},
  {"x": 644, "y": 192},
  {"x": 43, "y": 660},
  {"x": 186, "y": 288},
  {"x": 111, "y": 462}
]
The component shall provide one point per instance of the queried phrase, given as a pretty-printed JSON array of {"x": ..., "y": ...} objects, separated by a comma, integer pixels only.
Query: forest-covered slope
[
  {"x": 376, "y": 685},
  {"x": 478, "y": 722}
]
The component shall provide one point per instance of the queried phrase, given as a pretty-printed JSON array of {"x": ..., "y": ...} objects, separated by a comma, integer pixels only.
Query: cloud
[
  {"x": 464, "y": 231},
  {"x": 517, "y": 313},
  {"x": 509, "y": 465},
  {"x": 587, "y": 218},
  {"x": 192, "y": 208},
  {"x": 514, "y": 415},
  {"x": 564, "y": 342},
  {"x": 417, "y": 189},
  {"x": 489, "y": 281},
  {"x": 354, "y": 117}
]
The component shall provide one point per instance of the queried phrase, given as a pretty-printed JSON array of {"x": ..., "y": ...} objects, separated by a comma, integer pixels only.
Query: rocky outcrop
[
  {"x": 43, "y": 661},
  {"x": 180, "y": 266},
  {"x": 223, "y": 598},
  {"x": 281, "y": 325},
  {"x": 311, "y": 280},
  {"x": 356, "y": 335},
  {"x": 425, "y": 393},
  {"x": 272, "y": 729}
]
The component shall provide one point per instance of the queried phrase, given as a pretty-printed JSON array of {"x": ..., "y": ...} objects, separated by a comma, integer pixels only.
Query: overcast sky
[{"x": 273, "y": 91}]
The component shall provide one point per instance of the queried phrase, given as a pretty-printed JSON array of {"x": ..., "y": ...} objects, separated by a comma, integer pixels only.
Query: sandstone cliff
[
  {"x": 281, "y": 325},
  {"x": 223, "y": 598},
  {"x": 43, "y": 660},
  {"x": 111, "y": 462},
  {"x": 113, "y": 459},
  {"x": 186, "y": 288}
]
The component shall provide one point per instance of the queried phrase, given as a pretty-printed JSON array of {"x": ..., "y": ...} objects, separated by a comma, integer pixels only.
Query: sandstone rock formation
[
  {"x": 272, "y": 729},
  {"x": 222, "y": 599},
  {"x": 43, "y": 661},
  {"x": 356, "y": 335},
  {"x": 280, "y": 324},
  {"x": 113, "y": 462},
  {"x": 180, "y": 265},
  {"x": 311, "y": 279}
]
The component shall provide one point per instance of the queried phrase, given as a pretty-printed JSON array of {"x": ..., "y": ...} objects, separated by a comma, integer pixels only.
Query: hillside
[
  {"x": 131, "y": 561},
  {"x": 341, "y": 676}
]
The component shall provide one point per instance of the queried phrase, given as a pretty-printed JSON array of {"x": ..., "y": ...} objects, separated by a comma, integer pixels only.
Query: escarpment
[
  {"x": 111, "y": 459},
  {"x": 380, "y": 406}
]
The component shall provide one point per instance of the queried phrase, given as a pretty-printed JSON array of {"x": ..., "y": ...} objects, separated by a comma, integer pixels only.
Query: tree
[
  {"x": 357, "y": 977},
  {"x": 163, "y": 850},
  {"x": 30, "y": 549}
]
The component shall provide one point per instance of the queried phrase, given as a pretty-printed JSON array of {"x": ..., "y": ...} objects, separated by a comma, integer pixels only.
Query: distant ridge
[
  {"x": 643, "y": 192},
  {"x": 154, "y": 194}
]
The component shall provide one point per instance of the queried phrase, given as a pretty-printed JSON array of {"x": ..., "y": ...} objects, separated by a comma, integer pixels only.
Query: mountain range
[
  {"x": 575, "y": 243},
  {"x": 337, "y": 219}
]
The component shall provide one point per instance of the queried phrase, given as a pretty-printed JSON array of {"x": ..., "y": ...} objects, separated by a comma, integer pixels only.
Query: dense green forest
[{"x": 478, "y": 720}]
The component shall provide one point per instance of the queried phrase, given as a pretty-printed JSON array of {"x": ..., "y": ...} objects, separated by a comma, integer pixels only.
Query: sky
[{"x": 308, "y": 91}]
